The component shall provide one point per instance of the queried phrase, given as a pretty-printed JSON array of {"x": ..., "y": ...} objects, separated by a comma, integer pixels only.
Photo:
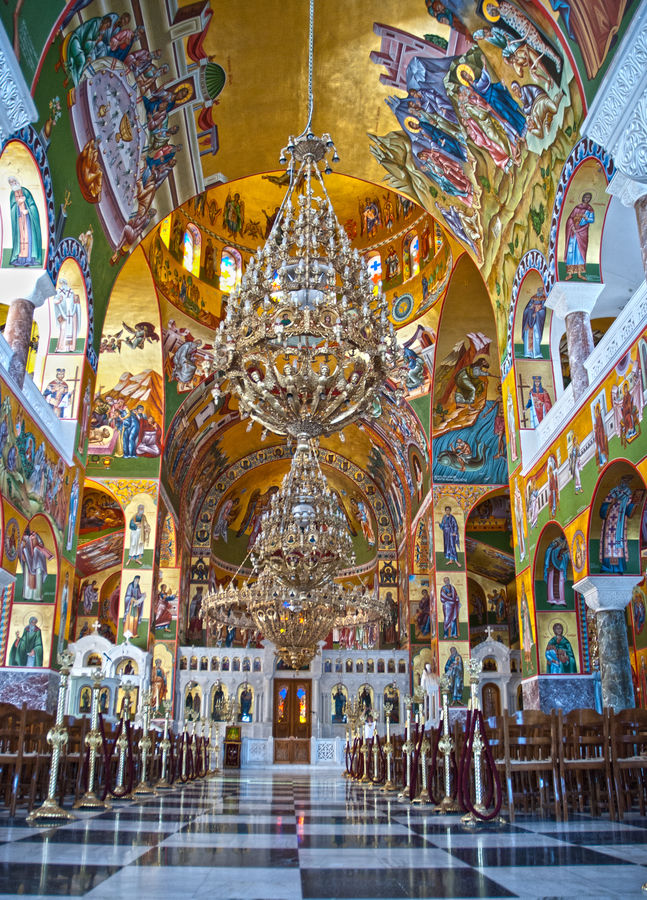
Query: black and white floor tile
[{"x": 272, "y": 835}]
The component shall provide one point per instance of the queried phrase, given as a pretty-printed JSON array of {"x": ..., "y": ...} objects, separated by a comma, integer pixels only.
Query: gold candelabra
[
  {"x": 422, "y": 797},
  {"x": 407, "y": 748},
  {"x": 475, "y": 667},
  {"x": 122, "y": 743},
  {"x": 163, "y": 783},
  {"x": 57, "y": 739},
  {"x": 145, "y": 744},
  {"x": 388, "y": 750},
  {"x": 93, "y": 742}
]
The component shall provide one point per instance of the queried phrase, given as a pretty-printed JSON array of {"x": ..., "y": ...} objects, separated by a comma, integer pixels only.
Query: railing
[
  {"x": 60, "y": 433},
  {"x": 626, "y": 329}
]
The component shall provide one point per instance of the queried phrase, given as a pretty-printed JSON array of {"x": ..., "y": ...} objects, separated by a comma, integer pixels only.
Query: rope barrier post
[
  {"x": 57, "y": 739},
  {"x": 470, "y": 818},
  {"x": 425, "y": 746},
  {"x": 407, "y": 748},
  {"x": 145, "y": 744},
  {"x": 122, "y": 743},
  {"x": 446, "y": 746},
  {"x": 185, "y": 738},
  {"x": 163, "y": 783},
  {"x": 93, "y": 741},
  {"x": 388, "y": 751},
  {"x": 346, "y": 773},
  {"x": 215, "y": 748}
]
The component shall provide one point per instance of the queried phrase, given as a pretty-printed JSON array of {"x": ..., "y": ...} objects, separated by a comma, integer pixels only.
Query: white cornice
[
  {"x": 617, "y": 118},
  {"x": 17, "y": 108}
]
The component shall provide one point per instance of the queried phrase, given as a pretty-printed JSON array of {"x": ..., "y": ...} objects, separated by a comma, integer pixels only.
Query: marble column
[
  {"x": 20, "y": 318},
  {"x": 573, "y": 302},
  {"x": 633, "y": 193},
  {"x": 607, "y": 596}
]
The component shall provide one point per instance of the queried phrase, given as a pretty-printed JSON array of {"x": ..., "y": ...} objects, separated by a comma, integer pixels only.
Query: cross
[
  {"x": 96, "y": 626},
  {"x": 489, "y": 632},
  {"x": 522, "y": 406},
  {"x": 127, "y": 636}
]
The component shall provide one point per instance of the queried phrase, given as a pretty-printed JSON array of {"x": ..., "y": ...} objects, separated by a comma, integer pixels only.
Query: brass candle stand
[
  {"x": 204, "y": 746},
  {"x": 422, "y": 796},
  {"x": 214, "y": 747},
  {"x": 407, "y": 749},
  {"x": 145, "y": 744},
  {"x": 93, "y": 742},
  {"x": 365, "y": 749},
  {"x": 475, "y": 667},
  {"x": 184, "y": 745},
  {"x": 57, "y": 739},
  {"x": 388, "y": 751},
  {"x": 446, "y": 745},
  {"x": 122, "y": 744},
  {"x": 163, "y": 783},
  {"x": 376, "y": 756}
]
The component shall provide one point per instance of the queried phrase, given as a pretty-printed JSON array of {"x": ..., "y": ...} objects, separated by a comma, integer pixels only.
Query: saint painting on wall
[{"x": 617, "y": 507}]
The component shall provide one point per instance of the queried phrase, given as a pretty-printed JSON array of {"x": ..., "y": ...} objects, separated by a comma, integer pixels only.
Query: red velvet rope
[{"x": 475, "y": 718}]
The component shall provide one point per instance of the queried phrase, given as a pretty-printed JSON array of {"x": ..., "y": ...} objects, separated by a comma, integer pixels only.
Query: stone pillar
[
  {"x": 20, "y": 318},
  {"x": 633, "y": 193},
  {"x": 573, "y": 302},
  {"x": 607, "y": 596}
]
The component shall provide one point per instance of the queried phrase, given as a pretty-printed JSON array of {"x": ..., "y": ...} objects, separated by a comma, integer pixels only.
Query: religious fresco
[
  {"x": 535, "y": 391},
  {"x": 527, "y": 627},
  {"x": 162, "y": 678},
  {"x": 30, "y": 635},
  {"x": 581, "y": 224},
  {"x": 453, "y": 609},
  {"x": 558, "y": 643},
  {"x": 140, "y": 516},
  {"x": 468, "y": 419},
  {"x": 452, "y": 660},
  {"x": 101, "y": 513},
  {"x": 128, "y": 409},
  {"x": 553, "y": 572},
  {"x": 97, "y": 600},
  {"x": 135, "y": 607},
  {"x": 37, "y": 569},
  {"x": 450, "y": 529},
  {"x": 166, "y": 605},
  {"x": 23, "y": 209},
  {"x": 422, "y": 609}
]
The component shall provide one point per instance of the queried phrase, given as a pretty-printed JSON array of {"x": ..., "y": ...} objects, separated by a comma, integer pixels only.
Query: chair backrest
[
  {"x": 530, "y": 735},
  {"x": 584, "y": 734},
  {"x": 629, "y": 733}
]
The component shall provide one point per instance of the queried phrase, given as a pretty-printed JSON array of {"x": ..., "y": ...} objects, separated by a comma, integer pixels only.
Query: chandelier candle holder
[
  {"x": 446, "y": 746},
  {"x": 163, "y": 784},
  {"x": 305, "y": 345},
  {"x": 303, "y": 538},
  {"x": 57, "y": 738},
  {"x": 122, "y": 744},
  {"x": 145, "y": 744},
  {"x": 407, "y": 749},
  {"x": 93, "y": 741},
  {"x": 388, "y": 751}
]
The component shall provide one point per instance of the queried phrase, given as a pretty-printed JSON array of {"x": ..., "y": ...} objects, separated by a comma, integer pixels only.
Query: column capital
[
  {"x": 567, "y": 297},
  {"x": 607, "y": 592},
  {"x": 626, "y": 189}
]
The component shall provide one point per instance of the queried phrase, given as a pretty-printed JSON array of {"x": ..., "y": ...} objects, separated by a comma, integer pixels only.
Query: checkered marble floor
[{"x": 274, "y": 834}]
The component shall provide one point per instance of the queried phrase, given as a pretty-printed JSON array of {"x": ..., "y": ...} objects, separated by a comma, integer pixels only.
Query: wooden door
[
  {"x": 491, "y": 700},
  {"x": 292, "y": 720}
]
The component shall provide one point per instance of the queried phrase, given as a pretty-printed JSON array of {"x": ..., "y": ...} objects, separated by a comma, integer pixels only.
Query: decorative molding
[
  {"x": 617, "y": 118},
  {"x": 567, "y": 297},
  {"x": 17, "y": 109},
  {"x": 607, "y": 592},
  {"x": 626, "y": 189}
]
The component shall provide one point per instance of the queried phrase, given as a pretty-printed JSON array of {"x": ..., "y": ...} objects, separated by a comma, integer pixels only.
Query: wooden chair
[
  {"x": 585, "y": 761},
  {"x": 71, "y": 781},
  {"x": 531, "y": 762},
  {"x": 12, "y": 746},
  {"x": 629, "y": 759}
]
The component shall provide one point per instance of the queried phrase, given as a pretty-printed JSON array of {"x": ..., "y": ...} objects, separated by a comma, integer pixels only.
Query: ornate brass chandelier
[
  {"x": 303, "y": 539},
  {"x": 305, "y": 344}
]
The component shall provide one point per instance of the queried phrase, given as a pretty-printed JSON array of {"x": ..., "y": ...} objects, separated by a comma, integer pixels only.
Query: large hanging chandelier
[
  {"x": 306, "y": 345},
  {"x": 303, "y": 538}
]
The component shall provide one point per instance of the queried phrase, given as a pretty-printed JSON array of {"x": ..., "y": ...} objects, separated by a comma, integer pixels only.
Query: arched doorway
[
  {"x": 491, "y": 700},
  {"x": 292, "y": 720}
]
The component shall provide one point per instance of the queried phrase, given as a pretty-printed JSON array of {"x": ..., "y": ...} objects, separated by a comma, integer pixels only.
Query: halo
[
  {"x": 412, "y": 124},
  {"x": 491, "y": 16},
  {"x": 462, "y": 70},
  {"x": 561, "y": 620},
  {"x": 37, "y": 616}
]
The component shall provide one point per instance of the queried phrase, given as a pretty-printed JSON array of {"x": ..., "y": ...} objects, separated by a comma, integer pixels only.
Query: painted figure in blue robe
[
  {"x": 90, "y": 41},
  {"x": 26, "y": 242},
  {"x": 454, "y": 668},
  {"x": 556, "y": 562},
  {"x": 532, "y": 325},
  {"x": 560, "y": 658},
  {"x": 499, "y": 99},
  {"x": 577, "y": 237},
  {"x": 618, "y": 506},
  {"x": 416, "y": 369},
  {"x": 451, "y": 539},
  {"x": 130, "y": 431}
]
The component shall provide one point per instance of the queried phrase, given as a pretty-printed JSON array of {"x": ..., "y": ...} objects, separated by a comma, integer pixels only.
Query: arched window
[
  {"x": 411, "y": 254},
  {"x": 192, "y": 248},
  {"x": 231, "y": 269},
  {"x": 374, "y": 263}
]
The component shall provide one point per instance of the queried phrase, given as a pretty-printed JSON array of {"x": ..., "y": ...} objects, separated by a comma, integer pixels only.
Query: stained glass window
[
  {"x": 231, "y": 269},
  {"x": 374, "y": 262},
  {"x": 303, "y": 707},
  {"x": 283, "y": 693},
  {"x": 192, "y": 248}
]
